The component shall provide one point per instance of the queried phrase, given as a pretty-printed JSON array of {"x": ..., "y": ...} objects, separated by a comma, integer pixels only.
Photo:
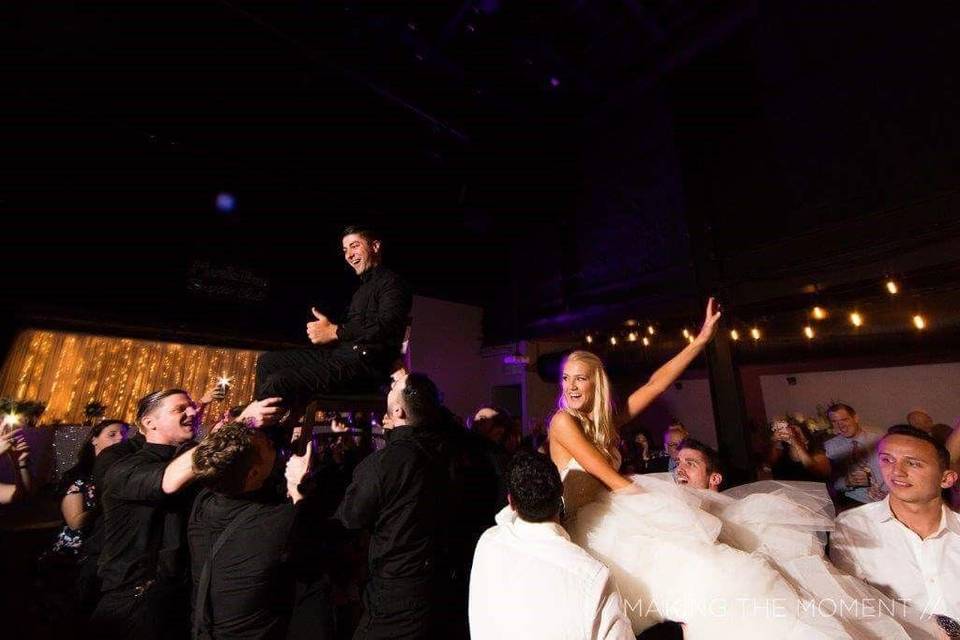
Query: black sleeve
[
  {"x": 360, "y": 505},
  {"x": 393, "y": 309},
  {"x": 140, "y": 482}
]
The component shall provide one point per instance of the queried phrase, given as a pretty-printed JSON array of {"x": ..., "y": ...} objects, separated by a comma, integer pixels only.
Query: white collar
[
  {"x": 949, "y": 521},
  {"x": 509, "y": 519}
]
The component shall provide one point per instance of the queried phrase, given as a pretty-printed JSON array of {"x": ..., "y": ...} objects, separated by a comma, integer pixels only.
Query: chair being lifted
[{"x": 372, "y": 402}]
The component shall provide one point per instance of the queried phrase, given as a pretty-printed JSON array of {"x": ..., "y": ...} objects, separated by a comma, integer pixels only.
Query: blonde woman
[{"x": 660, "y": 546}]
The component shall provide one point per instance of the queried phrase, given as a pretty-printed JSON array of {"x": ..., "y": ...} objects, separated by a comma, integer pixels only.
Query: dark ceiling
[{"x": 567, "y": 165}]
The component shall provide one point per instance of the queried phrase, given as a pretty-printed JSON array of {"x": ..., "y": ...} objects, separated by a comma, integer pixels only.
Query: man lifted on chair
[{"x": 355, "y": 356}]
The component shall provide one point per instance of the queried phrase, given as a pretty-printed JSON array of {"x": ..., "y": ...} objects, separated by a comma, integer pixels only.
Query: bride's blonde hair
[{"x": 598, "y": 425}]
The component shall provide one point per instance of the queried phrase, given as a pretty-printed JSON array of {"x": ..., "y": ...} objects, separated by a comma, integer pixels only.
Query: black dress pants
[
  {"x": 407, "y": 609},
  {"x": 161, "y": 612},
  {"x": 296, "y": 375}
]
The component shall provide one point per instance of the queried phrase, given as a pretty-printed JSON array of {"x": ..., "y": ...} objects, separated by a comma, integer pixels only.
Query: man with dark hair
[
  {"x": 698, "y": 466},
  {"x": 143, "y": 563},
  {"x": 355, "y": 355},
  {"x": 242, "y": 582},
  {"x": 401, "y": 495},
  {"x": 854, "y": 475},
  {"x": 908, "y": 544},
  {"x": 529, "y": 580}
]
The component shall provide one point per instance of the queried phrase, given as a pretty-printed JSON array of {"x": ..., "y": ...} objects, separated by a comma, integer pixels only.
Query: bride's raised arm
[
  {"x": 565, "y": 432},
  {"x": 668, "y": 373}
]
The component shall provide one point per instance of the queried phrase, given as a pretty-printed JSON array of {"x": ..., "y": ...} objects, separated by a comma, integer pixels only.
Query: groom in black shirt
[{"x": 357, "y": 354}]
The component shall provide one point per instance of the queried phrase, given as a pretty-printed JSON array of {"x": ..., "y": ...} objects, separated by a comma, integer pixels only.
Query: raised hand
[
  {"x": 709, "y": 327},
  {"x": 262, "y": 412},
  {"x": 297, "y": 468},
  {"x": 321, "y": 330},
  {"x": 8, "y": 441}
]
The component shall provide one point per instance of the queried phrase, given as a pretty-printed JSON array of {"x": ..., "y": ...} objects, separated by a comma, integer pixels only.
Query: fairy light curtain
[{"x": 69, "y": 370}]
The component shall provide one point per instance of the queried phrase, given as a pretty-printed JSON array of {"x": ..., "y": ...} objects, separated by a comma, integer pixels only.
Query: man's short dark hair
[
  {"x": 367, "y": 232},
  {"x": 709, "y": 453},
  {"x": 837, "y": 406},
  {"x": 224, "y": 457},
  {"x": 906, "y": 430},
  {"x": 421, "y": 399},
  {"x": 536, "y": 491},
  {"x": 151, "y": 401}
]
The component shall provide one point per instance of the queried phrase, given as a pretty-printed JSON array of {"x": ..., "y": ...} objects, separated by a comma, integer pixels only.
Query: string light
[
  {"x": 919, "y": 322},
  {"x": 856, "y": 319},
  {"x": 686, "y": 334},
  {"x": 819, "y": 313},
  {"x": 69, "y": 370},
  {"x": 646, "y": 341},
  {"x": 755, "y": 333},
  {"x": 892, "y": 287},
  {"x": 589, "y": 339},
  {"x": 808, "y": 331},
  {"x": 690, "y": 339},
  {"x": 613, "y": 341},
  {"x": 651, "y": 330},
  {"x": 734, "y": 335},
  {"x": 632, "y": 336}
]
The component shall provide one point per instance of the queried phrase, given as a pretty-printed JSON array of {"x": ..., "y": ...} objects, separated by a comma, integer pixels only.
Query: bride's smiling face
[{"x": 577, "y": 385}]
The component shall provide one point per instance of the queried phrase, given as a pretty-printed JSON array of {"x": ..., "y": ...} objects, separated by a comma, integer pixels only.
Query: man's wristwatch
[{"x": 950, "y": 626}]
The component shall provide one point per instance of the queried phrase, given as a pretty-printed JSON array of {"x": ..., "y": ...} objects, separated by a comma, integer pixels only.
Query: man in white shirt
[
  {"x": 529, "y": 580},
  {"x": 908, "y": 544}
]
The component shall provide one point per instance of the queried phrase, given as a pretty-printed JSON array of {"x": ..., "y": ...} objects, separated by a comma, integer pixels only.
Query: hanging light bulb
[
  {"x": 755, "y": 333},
  {"x": 892, "y": 287},
  {"x": 690, "y": 339},
  {"x": 919, "y": 321},
  {"x": 686, "y": 334},
  {"x": 632, "y": 336},
  {"x": 734, "y": 335},
  {"x": 819, "y": 313},
  {"x": 856, "y": 319},
  {"x": 808, "y": 331},
  {"x": 646, "y": 341},
  {"x": 613, "y": 341},
  {"x": 651, "y": 330},
  {"x": 589, "y": 339}
]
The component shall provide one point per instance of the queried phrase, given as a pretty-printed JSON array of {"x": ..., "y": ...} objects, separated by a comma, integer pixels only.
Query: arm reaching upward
[{"x": 668, "y": 373}]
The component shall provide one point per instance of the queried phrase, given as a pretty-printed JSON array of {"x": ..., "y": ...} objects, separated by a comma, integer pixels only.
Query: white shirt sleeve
[{"x": 610, "y": 621}]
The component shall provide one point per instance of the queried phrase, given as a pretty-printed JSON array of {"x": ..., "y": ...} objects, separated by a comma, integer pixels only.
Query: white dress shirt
[
  {"x": 872, "y": 544},
  {"x": 529, "y": 581}
]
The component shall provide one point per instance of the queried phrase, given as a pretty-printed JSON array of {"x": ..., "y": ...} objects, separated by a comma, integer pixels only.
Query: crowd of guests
[
  {"x": 262, "y": 529},
  {"x": 247, "y": 532}
]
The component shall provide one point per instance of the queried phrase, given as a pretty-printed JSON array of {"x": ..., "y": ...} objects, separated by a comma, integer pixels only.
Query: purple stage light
[
  {"x": 554, "y": 82},
  {"x": 225, "y": 202}
]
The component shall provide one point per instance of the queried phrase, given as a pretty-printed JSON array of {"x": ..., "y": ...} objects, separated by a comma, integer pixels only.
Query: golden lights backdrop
[{"x": 69, "y": 370}]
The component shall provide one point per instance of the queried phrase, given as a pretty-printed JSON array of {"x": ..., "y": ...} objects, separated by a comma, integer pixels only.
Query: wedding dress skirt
[{"x": 665, "y": 547}]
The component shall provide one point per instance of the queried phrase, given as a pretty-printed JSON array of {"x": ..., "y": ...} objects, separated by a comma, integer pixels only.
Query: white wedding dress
[
  {"x": 663, "y": 552},
  {"x": 748, "y": 564},
  {"x": 786, "y": 523}
]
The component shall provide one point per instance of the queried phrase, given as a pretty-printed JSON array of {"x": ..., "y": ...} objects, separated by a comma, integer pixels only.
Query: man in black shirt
[
  {"x": 401, "y": 495},
  {"x": 357, "y": 354},
  {"x": 240, "y": 538},
  {"x": 143, "y": 563}
]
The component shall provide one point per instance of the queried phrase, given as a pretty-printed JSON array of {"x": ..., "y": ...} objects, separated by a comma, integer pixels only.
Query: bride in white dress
[{"x": 659, "y": 544}]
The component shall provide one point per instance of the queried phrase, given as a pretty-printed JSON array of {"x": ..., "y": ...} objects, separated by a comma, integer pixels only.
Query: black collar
[{"x": 370, "y": 273}]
